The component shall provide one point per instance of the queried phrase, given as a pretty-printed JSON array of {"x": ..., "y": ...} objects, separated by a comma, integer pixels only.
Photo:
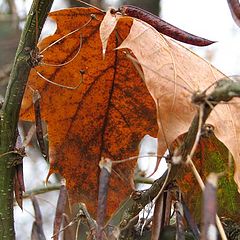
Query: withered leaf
[
  {"x": 173, "y": 74},
  {"x": 172, "y": 78},
  {"x": 106, "y": 116}
]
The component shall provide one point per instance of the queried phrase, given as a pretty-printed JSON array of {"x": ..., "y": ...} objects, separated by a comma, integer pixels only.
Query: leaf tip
[{"x": 107, "y": 26}]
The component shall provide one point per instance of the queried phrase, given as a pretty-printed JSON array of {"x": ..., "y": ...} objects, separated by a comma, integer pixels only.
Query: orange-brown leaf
[{"x": 106, "y": 116}]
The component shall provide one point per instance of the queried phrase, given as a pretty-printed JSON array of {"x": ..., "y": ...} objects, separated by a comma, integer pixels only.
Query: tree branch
[
  {"x": 224, "y": 91},
  {"x": 42, "y": 189},
  {"x": 10, "y": 111}
]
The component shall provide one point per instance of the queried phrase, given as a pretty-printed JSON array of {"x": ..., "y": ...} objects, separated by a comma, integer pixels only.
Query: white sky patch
[
  {"x": 211, "y": 20},
  {"x": 23, "y": 7},
  {"x": 112, "y": 3},
  {"x": 212, "y": 232},
  {"x": 148, "y": 148}
]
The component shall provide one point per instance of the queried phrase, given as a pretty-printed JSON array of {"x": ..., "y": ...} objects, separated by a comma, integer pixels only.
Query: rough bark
[{"x": 10, "y": 111}]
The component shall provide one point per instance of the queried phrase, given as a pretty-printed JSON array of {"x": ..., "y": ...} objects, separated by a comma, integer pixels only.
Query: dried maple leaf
[
  {"x": 106, "y": 116},
  {"x": 172, "y": 78}
]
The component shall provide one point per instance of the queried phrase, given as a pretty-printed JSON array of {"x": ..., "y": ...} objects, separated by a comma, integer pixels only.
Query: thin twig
[
  {"x": 67, "y": 62},
  {"x": 58, "y": 84},
  {"x": 198, "y": 135},
  {"x": 41, "y": 190},
  {"x": 224, "y": 90},
  {"x": 90, "y": 5},
  {"x": 68, "y": 34},
  {"x": 136, "y": 157}
]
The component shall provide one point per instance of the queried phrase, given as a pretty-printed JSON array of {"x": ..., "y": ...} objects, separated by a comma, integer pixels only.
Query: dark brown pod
[
  {"x": 60, "y": 209},
  {"x": 38, "y": 122},
  {"x": 164, "y": 27},
  {"x": 234, "y": 6},
  {"x": 20, "y": 178},
  {"x": 106, "y": 166}
]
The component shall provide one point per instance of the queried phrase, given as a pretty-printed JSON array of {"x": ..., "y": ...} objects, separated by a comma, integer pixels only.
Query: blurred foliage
[
  {"x": 9, "y": 37},
  {"x": 149, "y": 5},
  {"x": 152, "y": 6}
]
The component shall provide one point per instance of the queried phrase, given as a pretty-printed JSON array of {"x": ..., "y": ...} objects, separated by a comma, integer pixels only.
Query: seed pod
[
  {"x": 234, "y": 7},
  {"x": 164, "y": 27},
  {"x": 38, "y": 122}
]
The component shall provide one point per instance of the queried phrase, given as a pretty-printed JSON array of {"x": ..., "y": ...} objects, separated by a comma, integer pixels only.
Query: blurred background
[{"x": 209, "y": 19}]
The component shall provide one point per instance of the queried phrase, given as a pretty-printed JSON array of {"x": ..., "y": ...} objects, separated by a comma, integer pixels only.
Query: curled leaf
[
  {"x": 106, "y": 28},
  {"x": 172, "y": 78}
]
